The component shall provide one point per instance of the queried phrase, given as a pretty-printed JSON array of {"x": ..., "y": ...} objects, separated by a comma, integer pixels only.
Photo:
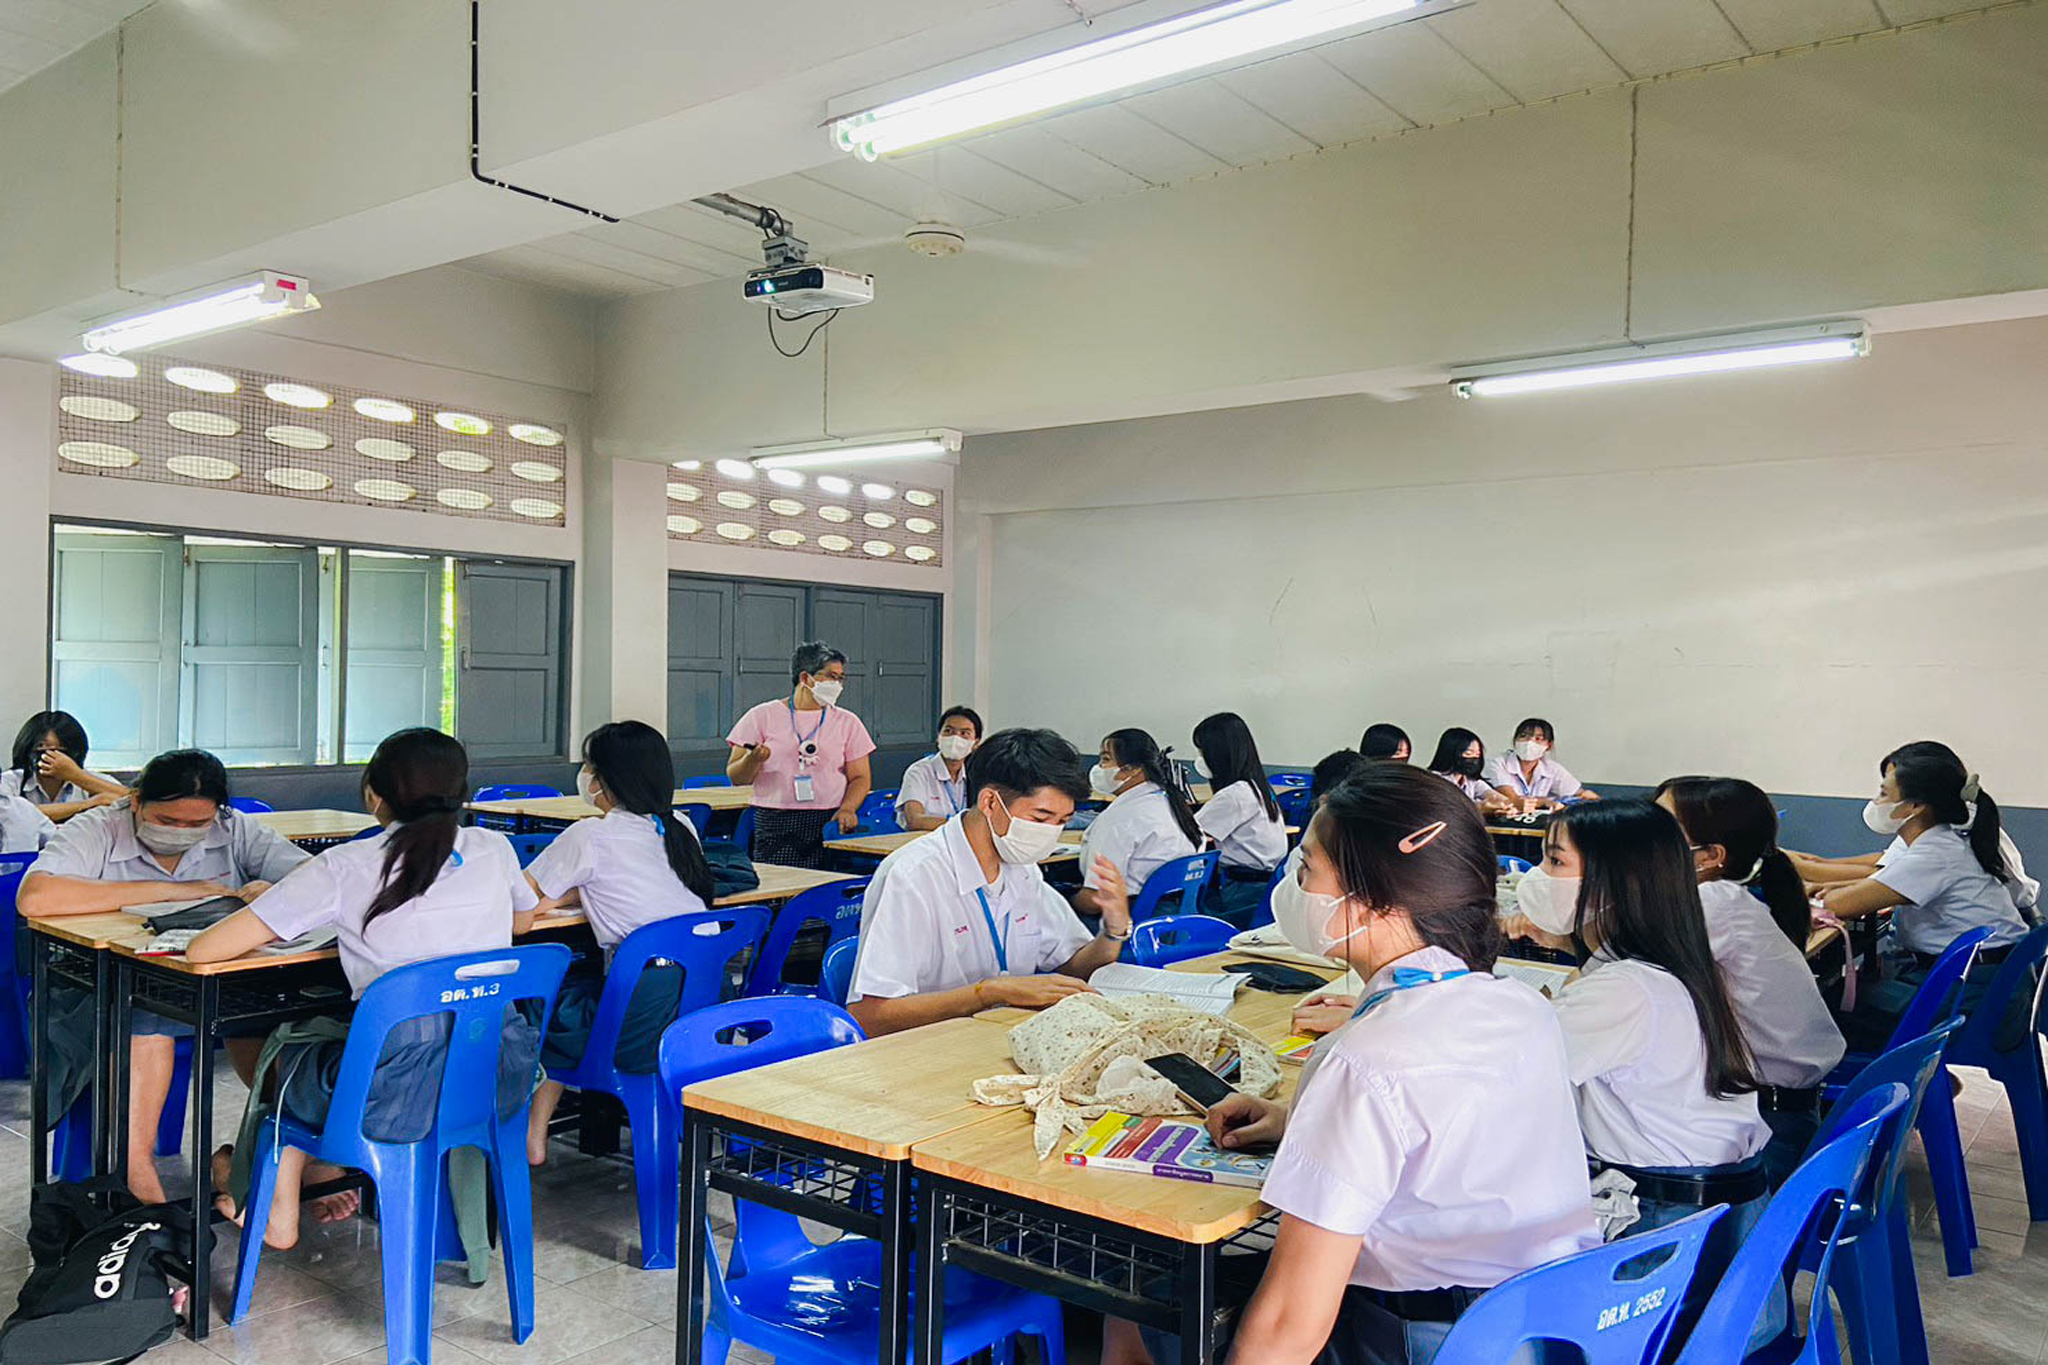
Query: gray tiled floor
[{"x": 320, "y": 1304}]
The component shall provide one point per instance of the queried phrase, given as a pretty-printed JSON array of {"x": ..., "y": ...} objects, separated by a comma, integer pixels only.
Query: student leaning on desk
[{"x": 963, "y": 919}]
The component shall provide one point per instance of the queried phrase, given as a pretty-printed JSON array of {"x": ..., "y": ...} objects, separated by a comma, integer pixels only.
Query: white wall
[{"x": 1780, "y": 575}]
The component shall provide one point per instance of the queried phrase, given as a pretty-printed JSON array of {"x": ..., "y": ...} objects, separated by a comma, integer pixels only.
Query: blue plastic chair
[
  {"x": 512, "y": 791},
  {"x": 14, "y": 976},
  {"x": 1176, "y": 938},
  {"x": 836, "y": 977},
  {"x": 2018, "y": 1069},
  {"x": 780, "y": 1294},
  {"x": 1508, "y": 864},
  {"x": 1937, "y": 1001},
  {"x": 704, "y": 946},
  {"x": 1294, "y": 804},
  {"x": 835, "y": 905},
  {"x": 713, "y": 780},
  {"x": 249, "y": 805},
  {"x": 1803, "y": 1225},
  {"x": 699, "y": 817},
  {"x": 366, "y": 832},
  {"x": 1187, "y": 879},
  {"x": 743, "y": 831},
  {"x": 878, "y": 814},
  {"x": 528, "y": 846},
  {"x": 1264, "y": 914},
  {"x": 1875, "y": 1281},
  {"x": 476, "y": 989},
  {"x": 1282, "y": 781},
  {"x": 1615, "y": 1302}
]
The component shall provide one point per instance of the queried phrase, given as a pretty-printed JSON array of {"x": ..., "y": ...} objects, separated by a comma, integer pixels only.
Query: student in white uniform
[
  {"x": 426, "y": 887},
  {"x": 1666, "y": 1082},
  {"x": 1241, "y": 815},
  {"x": 1460, "y": 760},
  {"x": 48, "y": 768},
  {"x": 1149, "y": 819},
  {"x": 1950, "y": 877},
  {"x": 635, "y": 865},
  {"x": 934, "y": 789},
  {"x": 963, "y": 919},
  {"x": 176, "y": 839},
  {"x": 1760, "y": 945},
  {"x": 1431, "y": 1150},
  {"x": 23, "y": 827},
  {"x": 1384, "y": 743},
  {"x": 1528, "y": 776}
]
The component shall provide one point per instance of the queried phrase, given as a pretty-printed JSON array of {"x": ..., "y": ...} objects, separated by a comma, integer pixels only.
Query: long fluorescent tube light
[
  {"x": 937, "y": 444},
  {"x": 1154, "y": 52},
  {"x": 1666, "y": 360},
  {"x": 214, "y": 309}
]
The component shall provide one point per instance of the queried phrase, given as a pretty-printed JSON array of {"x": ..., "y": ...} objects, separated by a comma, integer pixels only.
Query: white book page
[{"x": 1209, "y": 993}]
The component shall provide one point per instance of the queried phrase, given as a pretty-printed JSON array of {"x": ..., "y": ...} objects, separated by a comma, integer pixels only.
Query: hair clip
[{"x": 1421, "y": 838}]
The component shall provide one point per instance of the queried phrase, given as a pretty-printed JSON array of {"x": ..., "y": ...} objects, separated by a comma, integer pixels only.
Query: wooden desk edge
[{"x": 1179, "y": 1230}]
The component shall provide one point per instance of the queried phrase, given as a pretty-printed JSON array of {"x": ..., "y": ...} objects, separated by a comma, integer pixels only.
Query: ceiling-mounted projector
[{"x": 796, "y": 290}]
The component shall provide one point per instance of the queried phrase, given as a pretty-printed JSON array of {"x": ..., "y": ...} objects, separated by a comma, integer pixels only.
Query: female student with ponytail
[
  {"x": 1761, "y": 948},
  {"x": 1149, "y": 819},
  {"x": 1950, "y": 877},
  {"x": 633, "y": 866},
  {"x": 426, "y": 887},
  {"x": 1431, "y": 1150},
  {"x": 1242, "y": 816}
]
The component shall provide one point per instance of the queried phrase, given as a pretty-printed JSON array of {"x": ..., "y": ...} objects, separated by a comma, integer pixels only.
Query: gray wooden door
[
  {"x": 250, "y": 655},
  {"x": 508, "y": 701},
  {"x": 115, "y": 607}
]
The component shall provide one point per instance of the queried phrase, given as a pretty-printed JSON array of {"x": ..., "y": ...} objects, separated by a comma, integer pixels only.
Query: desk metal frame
[{"x": 54, "y": 961}]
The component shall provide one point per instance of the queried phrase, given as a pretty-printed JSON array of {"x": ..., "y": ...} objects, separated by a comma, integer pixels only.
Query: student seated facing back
[
  {"x": 1460, "y": 759},
  {"x": 48, "y": 768},
  {"x": 1528, "y": 776},
  {"x": 635, "y": 865},
  {"x": 963, "y": 919},
  {"x": 1149, "y": 819},
  {"x": 933, "y": 789},
  {"x": 1384, "y": 743},
  {"x": 1242, "y": 815}
]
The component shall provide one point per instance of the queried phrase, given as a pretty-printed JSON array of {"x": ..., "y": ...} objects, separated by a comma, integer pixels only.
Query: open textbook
[{"x": 1211, "y": 993}]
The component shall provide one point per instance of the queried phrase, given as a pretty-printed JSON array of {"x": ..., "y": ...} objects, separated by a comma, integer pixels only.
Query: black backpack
[{"x": 99, "y": 1290}]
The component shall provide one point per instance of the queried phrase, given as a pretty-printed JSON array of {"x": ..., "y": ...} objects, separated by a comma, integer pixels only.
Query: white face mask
[
  {"x": 168, "y": 839},
  {"x": 827, "y": 690},
  {"x": 1529, "y": 750},
  {"x": 586, "y": 785},
  {"x": 955, "y": 747},
  {"x": 1881, "y": 817},
  {"x": 1026, "y": 841},
  {"x": 1103, "y": 779},
  {"x": 1304, "y": 917},
  {"x": 1550, "y": 903}
]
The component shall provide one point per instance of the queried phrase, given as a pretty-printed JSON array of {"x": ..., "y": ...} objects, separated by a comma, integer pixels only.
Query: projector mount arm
[{"x": 780, "y": 247}]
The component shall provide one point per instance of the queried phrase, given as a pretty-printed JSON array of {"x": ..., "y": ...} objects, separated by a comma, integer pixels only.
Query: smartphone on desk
[{"x": 1197, "y": 1084}]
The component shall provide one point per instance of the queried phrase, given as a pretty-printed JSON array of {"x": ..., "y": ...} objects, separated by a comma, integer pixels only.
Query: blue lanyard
[
  {"x": 801, "y": 737},
  {"x": 953, "y": 806},
  {"x": 1515, "y": 767},
  {"x": 988, "y": 915},
  {"x": 1407, "y": 979}
]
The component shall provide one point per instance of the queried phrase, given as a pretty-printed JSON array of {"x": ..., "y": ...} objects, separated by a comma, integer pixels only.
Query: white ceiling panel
[
  {"x": 899, "y": 187},
  {"x": 1030, "y": 150},
  {"x": 713, "y": 233},
  {"x": 1649, "y": 37},
  {"x": 1768, "y": 25},
  {"x": 1314, "y": 98},
  {"x": 36, "y": 33},
  {"x": 1913, "y": 11},
  {"x": 962, "y": 170},
  {"x": 625, "y": 260},
  {"x": 813, "y": 205},
  {"x": 1221, "y": 122},
  {"x": 538, "y": 265},
  {"x": 1133, "y": 142},
  {"x": 1416, "y": 74},
  {"x": 640, "y": 237},
  {"x": 1531, "y": 48}
]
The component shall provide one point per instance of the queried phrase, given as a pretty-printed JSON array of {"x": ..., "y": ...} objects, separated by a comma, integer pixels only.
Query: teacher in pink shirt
[{"x": 807, "y": 759}]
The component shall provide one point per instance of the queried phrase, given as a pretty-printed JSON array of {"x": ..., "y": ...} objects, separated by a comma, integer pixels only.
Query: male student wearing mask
[{"x": 963, "y": 920}]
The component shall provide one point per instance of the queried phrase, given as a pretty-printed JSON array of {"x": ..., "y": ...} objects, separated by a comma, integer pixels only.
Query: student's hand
[
  {"x": 847, "y": 820},
  {"x": 760, "y": 754},
  {"x": 60, "y": 765},
  {"x": 1112, "y": 899},
  {"x": 1324, "y": 1013},
  {"x": 1246, "y": 1121},
  {"x": 250, "y": 891},
  {"x": 1033, "y": 992},
  {"x": 1518, "y": 926},
  {"x": 192, "y": 891}
]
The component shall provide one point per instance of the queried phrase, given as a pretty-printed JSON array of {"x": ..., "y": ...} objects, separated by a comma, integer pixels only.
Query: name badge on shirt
[{"x": 806, "y": 791}]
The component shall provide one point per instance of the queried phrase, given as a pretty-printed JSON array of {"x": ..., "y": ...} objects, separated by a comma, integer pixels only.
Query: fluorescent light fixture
[
  {"x": 1668, "y": 359},
  {"x": 937, "y": 444},
  {"x": 266, "y": 294},
  {"x": 1209, "y": 37}
]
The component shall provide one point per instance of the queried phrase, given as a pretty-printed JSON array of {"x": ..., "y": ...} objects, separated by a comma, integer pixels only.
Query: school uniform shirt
[
  {"x": 2026, "y": 891},
  {"x": 838, "y": 733},
  {"x": 1550, "y": 779},
  {"x": 922, "y": 928},
  {"x": 12, "y": 783},
  {"x": 1478, "y": 788},
  {"x": 468, "y": 908},
  {"x": 618, "y": 865},
  {"x": 1137, "y": 833},
  {"x": 1790, "y": 1032},
  {"x": 1246, "y": 836},
  {"x": 1947, "y": 892},
  {"x": 23, "y": 828},
  {"x": 100, "y": 845},
  {"x": 1639, "y": 1064},
  {"x": 1438, "y": 1126},
  {"x": 928, "y": 783}
]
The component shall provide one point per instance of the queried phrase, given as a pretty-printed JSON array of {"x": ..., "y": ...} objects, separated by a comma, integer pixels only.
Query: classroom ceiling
[
  {"x": 1486, "y": 56},
  {"x": 35, "y": 33}
]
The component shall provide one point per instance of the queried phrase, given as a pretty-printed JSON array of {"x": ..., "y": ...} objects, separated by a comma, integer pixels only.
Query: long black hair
[
  {"x": 1739, "y": 817},
  {"x": 1382, "y": 741},
  {"x": 178, "y": 773},
  {"x": 1136, "y": 749},
  {"x": 1445, "y": 884},
  {"x": 631, "y": 759},
  {"x": 1231, "y": 755},
  {"x": 1639, "y": 883},
  {"x": 422, "y": 777},
  {"x": 70, "y": 738},
  {"x": 1929, "y": 773},
  {"x": 1332, "y": 771},
  {"x": 1450, "y": 751}
]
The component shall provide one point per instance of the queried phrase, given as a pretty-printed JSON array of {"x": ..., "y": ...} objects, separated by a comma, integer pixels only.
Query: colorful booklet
[{"x": 1175, "y": 1148}]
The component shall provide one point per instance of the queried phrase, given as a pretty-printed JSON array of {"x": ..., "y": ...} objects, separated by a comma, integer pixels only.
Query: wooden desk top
[
  {"x": 878, "y": 1097},
  {"x": 882, "y": 845},
  {"x": 779, "y": 883},
  {"x": 576, "y": 808},
  {"x": 298, "y": 825}
]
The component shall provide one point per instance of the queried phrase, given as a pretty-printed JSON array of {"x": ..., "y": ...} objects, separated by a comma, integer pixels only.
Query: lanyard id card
[{"x": 806, "y": 789}]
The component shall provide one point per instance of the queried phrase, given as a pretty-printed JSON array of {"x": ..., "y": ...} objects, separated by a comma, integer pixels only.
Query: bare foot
[
  {"x": 279, "y": 1234},
  {"x": 143, "y": 1181},
  {"x": 338, "y": 1207},
  {"x": 537, "y": 1148}
]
